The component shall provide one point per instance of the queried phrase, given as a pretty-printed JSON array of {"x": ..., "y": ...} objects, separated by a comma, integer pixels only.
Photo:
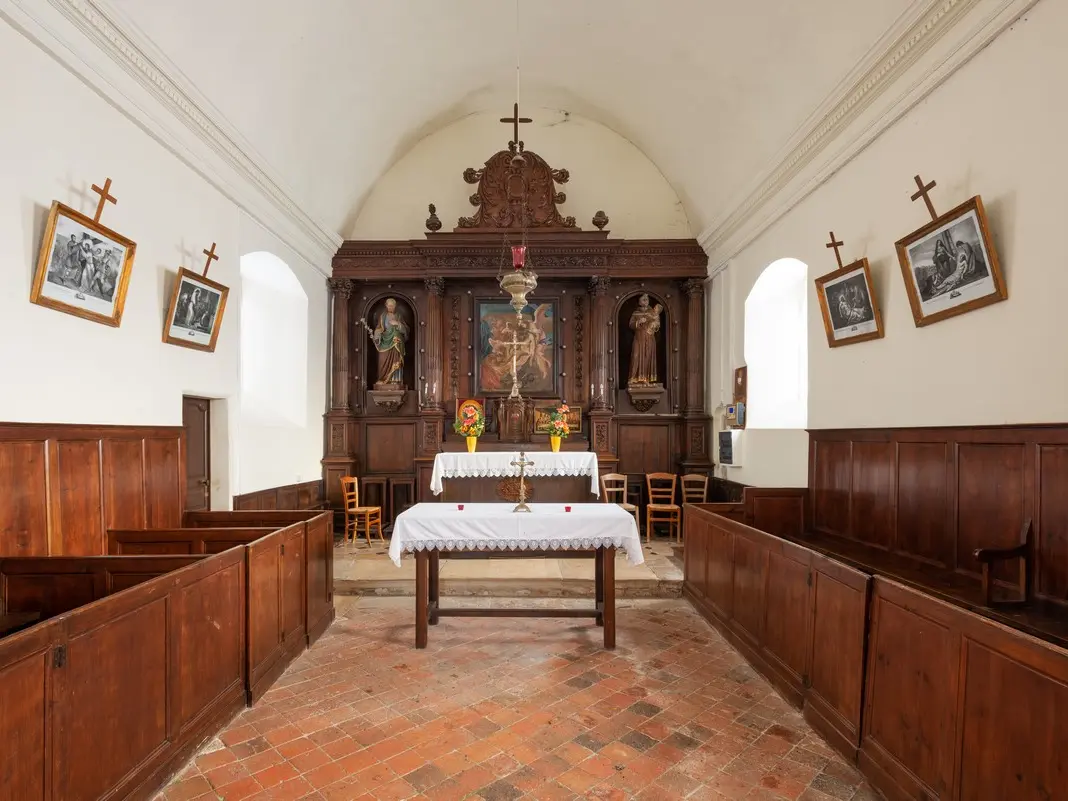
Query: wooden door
[{"x": 196, "y": 419}]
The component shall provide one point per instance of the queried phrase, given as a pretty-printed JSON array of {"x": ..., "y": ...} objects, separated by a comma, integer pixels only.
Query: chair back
[
  {"x": 613, "y": 485},
  {"x": 350, "y": 493},
  {"x": 694, "y": 488},
  {"x": 661, "y": 487}
]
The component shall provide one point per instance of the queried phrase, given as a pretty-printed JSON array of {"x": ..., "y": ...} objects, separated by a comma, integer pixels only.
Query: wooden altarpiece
[{"x": 439, "y": 285}]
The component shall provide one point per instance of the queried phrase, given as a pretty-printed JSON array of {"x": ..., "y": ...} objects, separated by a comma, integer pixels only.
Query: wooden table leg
[
  {"x": 421, "y": 559},
  {"x": 598, "y": 583},
  {"x": 435, "y": 561},
  {"x": 609, "y": 598}
]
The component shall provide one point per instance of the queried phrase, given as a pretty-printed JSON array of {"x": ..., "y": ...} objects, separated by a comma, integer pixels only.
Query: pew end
[{"x": 1025, "y": 553}]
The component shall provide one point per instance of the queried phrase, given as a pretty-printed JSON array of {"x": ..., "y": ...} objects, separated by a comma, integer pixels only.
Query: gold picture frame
[
  {"x": 542, "y": 410},
  {"x": 195, "y": 314},
  {"x": 950, "y": 265},
  {"x": 83, "y": 267},
  {"x": 849, "y": 306}
]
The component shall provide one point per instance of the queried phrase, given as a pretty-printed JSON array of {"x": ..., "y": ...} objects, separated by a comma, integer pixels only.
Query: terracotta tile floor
[{"x": 501, "y": 709}]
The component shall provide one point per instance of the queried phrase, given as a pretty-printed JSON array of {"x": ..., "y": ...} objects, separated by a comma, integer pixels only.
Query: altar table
[
  {"x": 433, "y": 531},
  {"x": 475, "y": 476}
]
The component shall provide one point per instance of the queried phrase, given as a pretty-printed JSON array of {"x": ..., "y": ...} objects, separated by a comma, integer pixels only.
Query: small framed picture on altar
[{"x": 544, "y": 409}]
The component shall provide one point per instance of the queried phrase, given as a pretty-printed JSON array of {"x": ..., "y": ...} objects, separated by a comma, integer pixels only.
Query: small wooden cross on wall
[
  {"x": 836, "y": 245},
  {"x": 211, "y": 257},
  {"x": 925, "y": 193},
  {"x": 105, "y": 197},
  {"x": 515, "y": 119}
]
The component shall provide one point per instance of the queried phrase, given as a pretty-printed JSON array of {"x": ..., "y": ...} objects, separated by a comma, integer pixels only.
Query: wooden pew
[
  {"x": 797, "y": 616},
  {"x": 319, "y": 554},
  {"x": 109, "y": 698},
  {"x": 276, "y": 596}
]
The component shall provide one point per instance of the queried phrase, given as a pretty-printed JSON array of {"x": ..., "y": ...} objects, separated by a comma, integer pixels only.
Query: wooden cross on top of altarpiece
[{"x": 515, "y": 119}]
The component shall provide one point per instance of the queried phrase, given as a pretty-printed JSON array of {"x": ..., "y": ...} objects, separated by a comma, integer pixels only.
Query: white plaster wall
[
  {"x": 59, "y": 137},
  {"x": 996, "y": 129},
  {"x": 607, "y": 172}
]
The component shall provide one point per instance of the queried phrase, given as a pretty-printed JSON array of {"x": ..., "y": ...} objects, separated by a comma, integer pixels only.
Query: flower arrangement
[
  {"x": 558, "y": 426},
  {"x": 470, "y": 420}
]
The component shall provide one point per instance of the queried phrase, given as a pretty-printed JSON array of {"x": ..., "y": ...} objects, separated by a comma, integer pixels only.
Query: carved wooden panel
[
  {"x": 24, "y": 697},
  {"x": 750, "y": 582},
  {"x": 164, "y": 479},
  {"x": 124, "y": 483},
  {"x": 721, "y": 570},
  {"x": 24, "y": 504},
  {"x": 922, "y": 498},
  {"x": 786, "y": 613},
  {"x": 777, "y": 511},
  {"x": 78, "y": 503}
]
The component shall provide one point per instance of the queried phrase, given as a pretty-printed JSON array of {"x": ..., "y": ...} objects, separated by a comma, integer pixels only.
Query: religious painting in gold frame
[
  {"x": 195, "y": 313},
  {"x": 847, "y": 301},
  {"x": 544, "y": 409},
  {"x": 950, "y": 265},
  {"x": 83, "y": 268},
  {"x": 536, "y": 359}
]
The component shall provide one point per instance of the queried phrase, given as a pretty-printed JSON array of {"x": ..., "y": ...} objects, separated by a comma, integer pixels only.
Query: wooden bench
[
  {"x": 138, "y": 661},
  {"x": 274, "y": 570}
]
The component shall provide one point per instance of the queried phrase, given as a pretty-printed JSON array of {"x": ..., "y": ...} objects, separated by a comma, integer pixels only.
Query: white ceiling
[{"x": 330, "y": 93}]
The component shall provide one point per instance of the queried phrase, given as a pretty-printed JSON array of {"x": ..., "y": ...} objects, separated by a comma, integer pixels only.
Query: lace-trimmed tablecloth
[
  {"x": 494, "y": 526},
  {"x": 546, "y": 463}
]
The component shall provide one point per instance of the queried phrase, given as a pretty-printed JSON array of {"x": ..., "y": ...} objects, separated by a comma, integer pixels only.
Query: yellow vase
[
  {"x": 471, "y": 442},
  {"x": 555, "y": 443}
]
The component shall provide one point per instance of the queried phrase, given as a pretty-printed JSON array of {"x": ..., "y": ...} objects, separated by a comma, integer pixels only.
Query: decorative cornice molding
[
  {"x": 828, "y": 141},
  {"x": 139, "y": 59}
]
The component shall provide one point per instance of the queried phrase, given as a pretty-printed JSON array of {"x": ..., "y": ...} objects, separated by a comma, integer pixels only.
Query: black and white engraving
[
  {"x": 951, "y": 266},
  {"x": 195, "y": 311},
  {"x": 84, "y": 267}
]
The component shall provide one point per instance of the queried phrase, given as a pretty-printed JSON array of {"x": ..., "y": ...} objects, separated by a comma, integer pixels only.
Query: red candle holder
[
  {"x": 459, "y": 507},
  {"x": 567, "y": 508},
  {"x": 519, "y": 256}
]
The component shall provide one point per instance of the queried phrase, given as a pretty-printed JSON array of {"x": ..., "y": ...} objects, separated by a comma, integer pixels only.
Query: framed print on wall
[
  {"x": 83, "y": 267},
  {"x": 847, "y": 300},
  {"x": 950, "y": 266},
  {"x": 535, "y": 354},
  {"x": 195, "y": 313}
]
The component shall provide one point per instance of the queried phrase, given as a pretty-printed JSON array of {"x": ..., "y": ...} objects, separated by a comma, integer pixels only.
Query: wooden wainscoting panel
[
  {"x": 1052, "y": 540},
  {"x": 777, "y": 511},
  {"x": 24, "y": 525},
  {"x": 77, "y": 497},
  {"x": 993, "y": 499},
  {"x": 124, "y": 484},
  {"x": 786, "y": 613},
  {"x": 164, "y": 481},
  {"x": 830, "y": 473},
  {"x": 720, "y": 576},
  {"x": 750, "y": 584},
  {"x": 25, "y": 724},
  {"x": 922, "y": 481},
  {"x": 872, "y": 508}
]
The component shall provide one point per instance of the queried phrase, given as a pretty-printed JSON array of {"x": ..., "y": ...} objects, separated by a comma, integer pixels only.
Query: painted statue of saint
[
  {"x": 645, "y": 322},
  {"x": 390, "y": 335}
]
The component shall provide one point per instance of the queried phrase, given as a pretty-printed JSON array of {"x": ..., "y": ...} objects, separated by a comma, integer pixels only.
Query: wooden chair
[
  {"x": 1025, "y": 552},
  {"x": 358, "y": 517},
  {"x": 662, "y": 507},
  {"x": 694, "y": 488},
  {"x": 614, "y": 490}
]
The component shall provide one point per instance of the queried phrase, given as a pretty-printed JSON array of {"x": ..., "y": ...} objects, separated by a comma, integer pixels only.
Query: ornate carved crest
[{"x": 516, "y": 189}]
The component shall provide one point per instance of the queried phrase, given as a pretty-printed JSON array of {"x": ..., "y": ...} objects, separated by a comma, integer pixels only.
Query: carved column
[
  {"x": 600, "y": 410},
  {"x": 339, "y": 460},
  {"x": 694, "y": 290},
  {"x": 339, "y": 385},
  {"x": 432, "y": 413},
  {"x": 697, "y": 421},
  {"x": 435, "y": 288}
]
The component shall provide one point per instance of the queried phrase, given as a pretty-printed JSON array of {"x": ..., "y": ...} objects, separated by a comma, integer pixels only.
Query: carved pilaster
[
  {"x": 435, "y": 288},
  {"x": 454, "y": 348},
  {"x": 599, "y": 322},
  {"x": 579, "y": 386},
  {"x": 339, "y": 384},
  {"x": 694, "y": 290}
]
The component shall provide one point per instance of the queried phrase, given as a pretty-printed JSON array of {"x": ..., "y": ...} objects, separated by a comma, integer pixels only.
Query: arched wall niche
[
  {"x": 622, "y": 344},
  {"x": 367, "y": 355}
]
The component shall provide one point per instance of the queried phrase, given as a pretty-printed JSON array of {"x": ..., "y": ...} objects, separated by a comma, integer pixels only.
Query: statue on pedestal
[
  {"x": 643, "y": 384},
  {"x": 390, "y": 336}
]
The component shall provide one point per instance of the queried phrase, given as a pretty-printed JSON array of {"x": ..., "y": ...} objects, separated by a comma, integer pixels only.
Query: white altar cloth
[
  {"x": 494, "y": 526},
  {"x": 546, "y": 463}
]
